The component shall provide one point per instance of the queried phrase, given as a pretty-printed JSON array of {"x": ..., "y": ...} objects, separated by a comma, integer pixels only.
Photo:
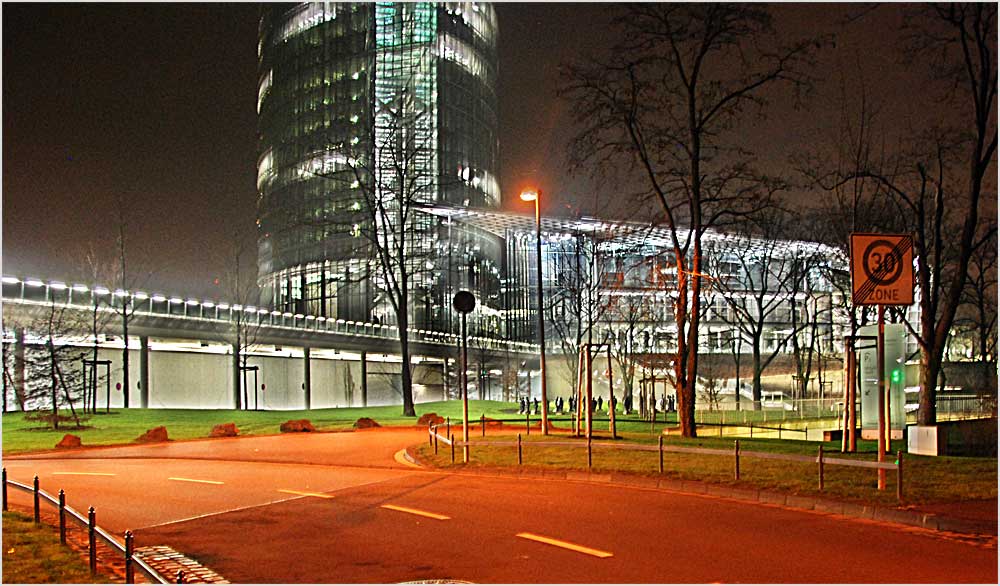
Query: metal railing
[
  {"x": 821, "y": 460},
  {"x": 93, "y": 531}
]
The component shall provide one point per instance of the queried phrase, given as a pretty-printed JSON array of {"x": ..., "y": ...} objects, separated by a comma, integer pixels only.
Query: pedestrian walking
[
  {"x": 536, "y": 407},
  {"x": 600, "y": 403}
]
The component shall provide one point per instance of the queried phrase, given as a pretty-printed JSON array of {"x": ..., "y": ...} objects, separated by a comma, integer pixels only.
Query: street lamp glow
[{"x": 529, "y": 195}]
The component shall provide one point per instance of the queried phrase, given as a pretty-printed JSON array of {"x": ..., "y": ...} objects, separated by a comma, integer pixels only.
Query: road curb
[{"x": 696, "y": 488}]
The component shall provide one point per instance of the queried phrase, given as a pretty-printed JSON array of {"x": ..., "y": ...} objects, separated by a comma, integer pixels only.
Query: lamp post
[{"x": 533, "y": 195}]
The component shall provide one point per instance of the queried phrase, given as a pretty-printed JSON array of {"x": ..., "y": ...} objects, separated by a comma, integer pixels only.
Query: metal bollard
[
  {"x": 820, "y": 460},
  {"x": 62, "y": 517},
  {"x": 452, "y": 449},
  {"x": 180, "y": 576},
  {"x": 736, "y": 457},
  {"x": 899, "y": 475},
  {"x": 5, "y": 489},
  {"x": 590, "y": 457},
  {"x": 92, "y": 539},
  {"x": 35, "y": 494},
  {"x": 129, "y": 548},
  {"x": 519, "y": 460},
  {"x": 661, "y": 454},
  {"x": 482, "y": 422}
]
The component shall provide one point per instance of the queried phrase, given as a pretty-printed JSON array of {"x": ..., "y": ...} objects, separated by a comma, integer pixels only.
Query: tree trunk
[
  {"x": 756, "y": 374},
  {"x": 930, "y": 371},
  {"x": 125, "y": 383}
]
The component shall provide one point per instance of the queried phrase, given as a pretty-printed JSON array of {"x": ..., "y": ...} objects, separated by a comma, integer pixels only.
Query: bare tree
[
  {"x": 757, "y": 279},
  {"x": 242, "y": 292},
  {"x": 51, "y": 380},
  {"x": 667, "y": 105},
  {"x": 977, "y": 317}
]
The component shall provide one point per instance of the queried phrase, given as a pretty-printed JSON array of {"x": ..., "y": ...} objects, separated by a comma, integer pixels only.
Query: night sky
[{"x": 157, "y": 104}]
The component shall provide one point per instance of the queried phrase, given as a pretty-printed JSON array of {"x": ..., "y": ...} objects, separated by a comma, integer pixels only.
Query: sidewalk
[{"x": 968, "y": 517}]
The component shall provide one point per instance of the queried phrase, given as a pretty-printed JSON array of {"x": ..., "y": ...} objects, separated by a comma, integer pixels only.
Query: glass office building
[{"x": 387, "y": 102}]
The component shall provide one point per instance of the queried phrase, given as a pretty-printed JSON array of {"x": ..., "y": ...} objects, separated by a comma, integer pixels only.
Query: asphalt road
[{"x": 362, "y": 516}]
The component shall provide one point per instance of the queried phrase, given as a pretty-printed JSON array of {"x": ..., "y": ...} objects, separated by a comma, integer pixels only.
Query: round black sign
[
  {"x": 882, "y": 264},
  {"x": 464, "y": 302}
]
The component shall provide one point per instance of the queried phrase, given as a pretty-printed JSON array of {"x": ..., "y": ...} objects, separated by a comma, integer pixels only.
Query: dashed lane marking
[
  {"x": 83, "y": 474},
  {"x": 416, "y": 512},
  {"x": 566, "y": 545},
  {"x": 300, "y": 493},
  {"x": 195, "y": 480}
]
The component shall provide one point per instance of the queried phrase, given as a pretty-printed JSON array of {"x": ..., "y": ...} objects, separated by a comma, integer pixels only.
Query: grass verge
[
  {"x": 926, "y": 480},
  {"x": 122, "y": 426},
  {"x": 32, "y": 554}
]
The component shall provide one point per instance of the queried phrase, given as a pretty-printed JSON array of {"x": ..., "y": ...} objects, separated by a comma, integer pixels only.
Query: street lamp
[{"x": 534, "y": 195}]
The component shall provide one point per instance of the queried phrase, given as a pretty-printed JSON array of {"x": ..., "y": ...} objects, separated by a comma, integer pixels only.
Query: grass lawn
[
  {"x": 32, "y": 554},
  {"x": 122, "y": 426},
  {"x": 926, "y": 479}
]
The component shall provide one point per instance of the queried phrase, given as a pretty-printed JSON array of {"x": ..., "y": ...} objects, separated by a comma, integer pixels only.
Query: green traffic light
[{"x": 897, "y": 375}]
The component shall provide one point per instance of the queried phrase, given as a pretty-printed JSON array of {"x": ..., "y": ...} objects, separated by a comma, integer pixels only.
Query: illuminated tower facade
[{"x": 366, "y": 102}]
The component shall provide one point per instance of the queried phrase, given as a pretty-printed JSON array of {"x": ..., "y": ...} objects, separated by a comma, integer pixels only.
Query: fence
[
  {"x": 821, "y": 460},
  {"x": 93, "y": 531}
]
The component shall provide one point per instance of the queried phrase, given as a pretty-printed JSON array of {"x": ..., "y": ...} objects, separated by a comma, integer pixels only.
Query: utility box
[{"x": 895, "y": 375}]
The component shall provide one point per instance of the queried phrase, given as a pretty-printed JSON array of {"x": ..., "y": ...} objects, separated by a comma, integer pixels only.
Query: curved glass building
[{"x": 363, "y": 103}]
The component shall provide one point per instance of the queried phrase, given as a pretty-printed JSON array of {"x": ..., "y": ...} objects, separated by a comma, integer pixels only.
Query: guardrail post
[
  {"x": 590, "y": 456},
  {"x": 92, "y": 539},
  {"x": 482, "y": 422},
  {"x": 35, "y": 495},
  {"x": 736, "y": 457},
  {"x": 720, "y": 430},
  {"x": 5, "y": 489},
  {"x": 447, "y": 429},
  {"x": 453, "y": 448},
  {"x": 779, "y": 431},
  {"x": 62, "y": 517},
  {"x": 527, "y": 423},
  {"x": 129, "y": 546},
  {"x": 519, "y": 459},
  {"x": 661, "y": 453},
  {"x": 430, "y": 432},
  {"x": 435, "y": 442},
  {"x": 820, "y": 460},
  {"x": 180, "y": 576},
  {"x": 899, "y": 475}
]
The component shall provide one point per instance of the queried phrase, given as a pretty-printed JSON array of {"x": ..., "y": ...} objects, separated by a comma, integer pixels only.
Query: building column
[
  {"x": 144, "y": 371},
  {"x": 19, "y": 366},
  {"x": 364, "y": 378},
  {"x": 236, "y": 377},
  {"x": 307, "y": 371}
]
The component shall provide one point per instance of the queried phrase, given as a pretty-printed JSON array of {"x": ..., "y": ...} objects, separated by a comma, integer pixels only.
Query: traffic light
[{"x": 897, "y": 375}]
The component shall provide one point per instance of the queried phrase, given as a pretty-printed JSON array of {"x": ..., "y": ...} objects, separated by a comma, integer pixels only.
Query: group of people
[{"x": 529, "y": 406}]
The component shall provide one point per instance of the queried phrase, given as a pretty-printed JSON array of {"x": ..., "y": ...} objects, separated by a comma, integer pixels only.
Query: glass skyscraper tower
[{"x": 383, "y": 102}]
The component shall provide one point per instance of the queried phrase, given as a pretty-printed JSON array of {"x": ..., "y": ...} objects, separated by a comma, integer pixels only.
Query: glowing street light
[{"x": 535, "y": 196}]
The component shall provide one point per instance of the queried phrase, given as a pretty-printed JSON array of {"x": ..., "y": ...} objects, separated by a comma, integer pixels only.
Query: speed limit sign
[{"x": 882, "y": 269}]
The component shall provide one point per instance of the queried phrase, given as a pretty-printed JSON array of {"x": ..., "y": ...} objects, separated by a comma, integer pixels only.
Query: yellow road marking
[
  {"x": 416, "y": 512},
  {"x": 83, "y": 474},
  {"x": 566, "y": 545},
  {"x": 300, "y": 493},
  {"x": 195, "y": 480},
  {"x": 399, "y": 457}
]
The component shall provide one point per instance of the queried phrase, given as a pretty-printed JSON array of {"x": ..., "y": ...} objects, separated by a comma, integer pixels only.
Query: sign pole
[
  {"x": 465, "y": 394},
  {"x": 882, "y": 424}
]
